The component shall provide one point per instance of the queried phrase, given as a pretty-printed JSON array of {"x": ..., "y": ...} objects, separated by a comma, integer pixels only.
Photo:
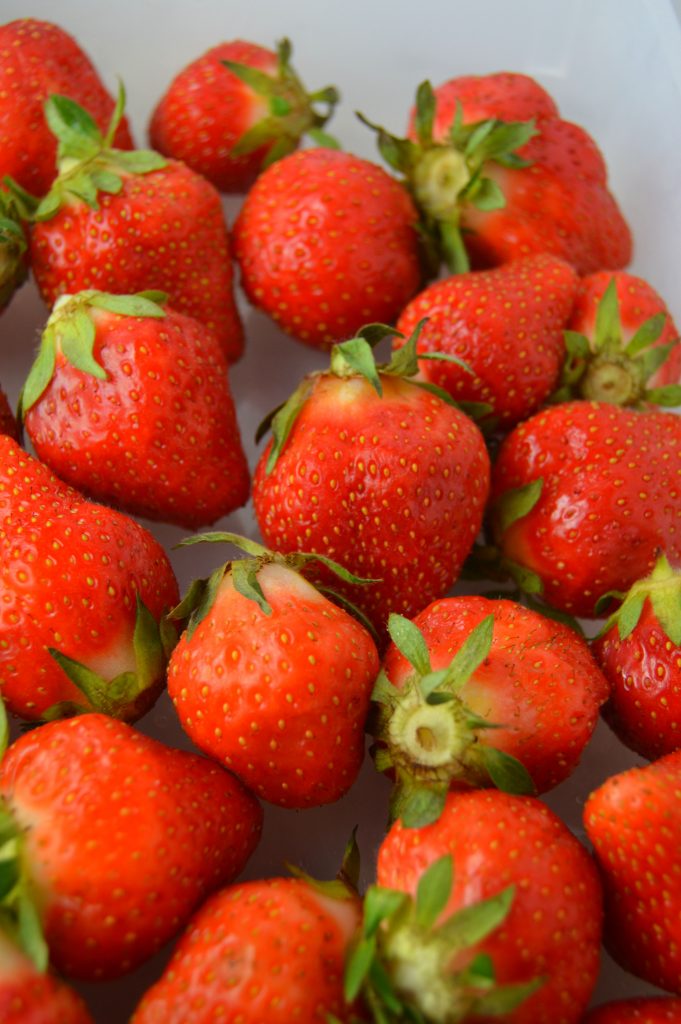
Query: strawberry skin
[
  {"x": 608, "y": 499},
  {"x": 164, "y": 230},
  {"x": 29, "y": 997},
  {"x": 37, "y": 59},
  {"x": 538, "y": 682},
  {"x": 392, "y": 487},
  {"x": 637, "y": 1011},
  {"x": 553, "y": 928},
  {"x": 506, "y": 324},
  {"x": 634, "y": 823},
  {"x": 123, "y": 838},
  {"x": 507, "y": 95},
  {"x": 71, "y": 574},
  {"x": 327, "y": 242},
  {"x": 271, "y": 950},
  {"x": 279, "y": 698},
  {"x": 158, "y": 437}
]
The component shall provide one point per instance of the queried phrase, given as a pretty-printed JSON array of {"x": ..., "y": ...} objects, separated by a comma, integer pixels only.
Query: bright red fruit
[
  {"x": 584, "y": 495},
  {"x": 637, "y": 1011},
  {"x": 136, "y": 410},
  {"x": 29, "y": 997},
  {"x": 235, "y": 110},
  {"x": 38, "y": 59},
  {"x": 374, "y": 470},
  {"x": 271, "y": 950},
  {"x": 84, "y": 590},
  {"x": 273, "y": 680},
  {"x": 552, "y": 931},
  {"x": 506, "y": 95},
  {"x": 126, "y": 222},
  {"x": 119, "y": 837},
  {"x": 506, "y": 324},
  {"x": 523, "y": 694},
  {"x": 327, "y": 242},
  {"x": 634, "y": 823},
  {"x": 639, "y": 650}
]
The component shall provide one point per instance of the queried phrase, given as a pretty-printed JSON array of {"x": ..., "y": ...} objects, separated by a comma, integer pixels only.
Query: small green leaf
[
  {"x": 409, "y": 641},
  {"x": 245, "y": 579},
  {"x": 284, "y": 420},
  {"x": 51, "y": 203},
  {"x": 358, "y": 355},
  {"x": 9, "y": 876},
  {"x": 501, "y": 1001},
  {"x": 668, "y": 396},
  {"x": 431, "y": 683},
  {"x": 433, "y": 891},
  {"x": 380, "y": 905},
  {"x": 358, "y": 968},
  {"x": 517, "y": 503},
  {"x": 138, "y": 161},
  {"x": 93, "y": 686},
  {"x": 527, "y": 580},
  {"x": 608, "y": 332},
  {"x": 417, "y": 805},
  {"x": 647, "y": 333},
  {"x": 128, "y": 305},
  {"x": 324, "y": 139},
  {"x": 105, "y": 181},
  {"x": 425, "y": 113},
  {"x": 207, "y": 596},
  {"x": 303, "y": 557},
  {"x": 470, "y": 655},
  {"x": 488, "y": 195},
  {"x": 261, "y": 83},
  {"x": 651, "y": 359},
  {"x": 149, "y": 654},
  {"x": 40, "y": 374},
  {"x": 577, "y": 345},
  {"x": 629, "y": 614},
  {"x": 263, "y": 133},
  {"x": 78, "y": 135},
  {"x": 116, "y": 116},
  {"x": 506, "y": 772},
  {"x": 75, "y": 335},
  {"x": 251, "y": 547},
  {"x": 474, "y": 923},
  {"x": 31, "y": 933},
  {"x": 383, "y": 691}
]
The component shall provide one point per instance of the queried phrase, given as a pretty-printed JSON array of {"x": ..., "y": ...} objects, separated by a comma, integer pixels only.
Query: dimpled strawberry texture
[
  {"x": 553, "y": 929},
  {"x": 70, "y": 573},
  {"x": 205, "y": 111},
  {"x": 159, "y": 437},
  {"x": 164, "y": 230},
  {"x": 29, "y": 997},
  {"x": 637, "y": 1011},
  {"x": 326, "y": 242},
  {"x": 124, "y": 838},
  {"x": 611, "y": 498},
  {"x": 271, "y": 950},
  {"x": 38, "y": 59},
  {"x": 506, "y": 324}
]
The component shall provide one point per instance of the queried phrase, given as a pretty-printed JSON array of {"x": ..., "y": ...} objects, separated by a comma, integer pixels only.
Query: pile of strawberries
[{"x": 488, "y": 406}]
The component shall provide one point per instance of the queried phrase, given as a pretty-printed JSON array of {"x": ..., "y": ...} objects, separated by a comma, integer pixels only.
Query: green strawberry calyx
[
  {"x": 444, "y": 177},
  {"x": 86, "y": 160},
  {"x": 20, "y": 914},
  {"x": 355, "y": 358},
  {"x": 130, "y": 694},
  {"x": 408, "y": 965},
  {"x": 427, "y": 735},
  {"x": 201, "y": 595},
  {"x": 13, "y": 248},
  {"x": 293, "y": 112},
  {"x": 606, "y": 369},
  {"x": 71, "y": 332},
  {"x": 663, "y": 589}
]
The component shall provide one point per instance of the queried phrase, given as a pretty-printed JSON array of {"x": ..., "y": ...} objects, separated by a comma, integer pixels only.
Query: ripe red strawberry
[
  {"x": 506, "y": 324},
  {"x": 327, "y": 242},
  {"x": 271, "y": 950},
  {"x": 376, "y": 471},
  {"x": 643, "y": 1011},
  {"x": 639, "y": 650},
  {"x": 84, "y": 589},
  {"x": 37, "y": 60},
  {"x": 272, "y": 679},
  {"x": 634, "y": 823},
  {"x": 119, "y": 839},
  {"x": 584, "y": 496},
  {"x": 623, "y": 346},
  {"x": 28, "y": 996},
  {"x": 8, "y": 424},
  {"x": 492, "y": 186},
  {"x": 235, "y": 110},
  {"x": 505, "y": 849},
  {"x": 124, "y": 222},
  {"x": 479, "y": 692},
  {"x": 129, "y": 401}
]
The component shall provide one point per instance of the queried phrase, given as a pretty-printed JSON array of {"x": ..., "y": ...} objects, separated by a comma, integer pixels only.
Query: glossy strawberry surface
[
  {"x": 642, "y": 1010},
  {"x": 30, "y": 997}
]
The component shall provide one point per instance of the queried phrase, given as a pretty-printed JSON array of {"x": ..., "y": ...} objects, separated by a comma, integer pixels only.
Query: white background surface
[{"x": 612, "y": 65}]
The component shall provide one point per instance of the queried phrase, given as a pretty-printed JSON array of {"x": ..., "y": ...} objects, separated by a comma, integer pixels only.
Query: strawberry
[
  {"x": 327, "y": 242},
  {"x": 479, "y": 692},
  {"x": 623, "y": 346},
  {"x": 84, "y": 589},
  {"x": 506, "y": 324},
  {"x": 535, "y": 932},
  {"x": 8, "y": 424},
  {"x": 272, "y": 679},
  {"x": 29, "y": 997},
  {"x": 643, "y": 1011},
  {"x": 115, "y": 839},
  {"x": 129, "y": 401},
  {"x": 39, "y": 59},
  {"x": 270, "y": 950},
  {"x": 584, "y": 495},
  {"x": 237, "y": 109},
  {"x": 390, "y": 480},
  {"x": 634, "y": 823},
  {"x": 492, "y": 186},
  {"x": 639, "y": 650},
  {"x": 124, "y": 222}
]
